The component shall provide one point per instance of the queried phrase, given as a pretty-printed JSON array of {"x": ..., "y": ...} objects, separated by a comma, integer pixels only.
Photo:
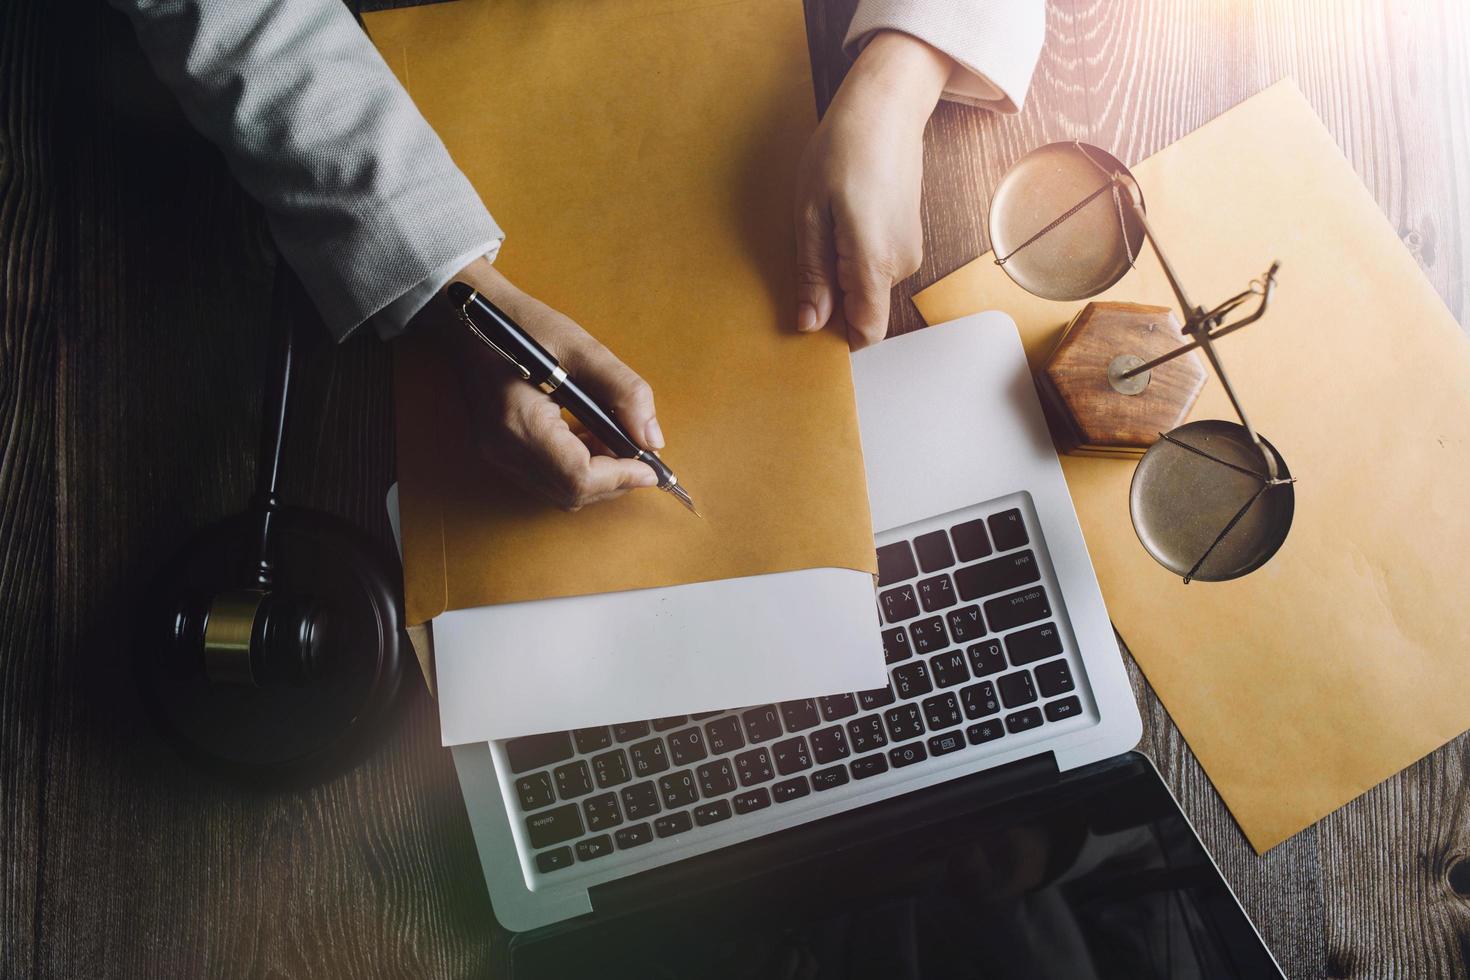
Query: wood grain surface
[{"x": 136, "y": 280}]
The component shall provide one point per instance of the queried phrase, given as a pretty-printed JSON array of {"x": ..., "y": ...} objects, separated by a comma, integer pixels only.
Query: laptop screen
[{"x": 1089, "y": 874}]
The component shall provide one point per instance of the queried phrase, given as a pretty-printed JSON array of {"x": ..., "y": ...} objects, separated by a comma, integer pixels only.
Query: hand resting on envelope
[
  {"x": 857, "y": 200},
  {"x": 520, "y": 430}
]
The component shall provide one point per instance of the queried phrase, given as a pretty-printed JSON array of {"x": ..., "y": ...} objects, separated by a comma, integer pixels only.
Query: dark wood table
[{"x": 136, "y": 283}]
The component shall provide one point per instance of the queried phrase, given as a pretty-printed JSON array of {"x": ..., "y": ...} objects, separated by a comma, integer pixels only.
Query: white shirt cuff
[{"x": 393, "y": 319}]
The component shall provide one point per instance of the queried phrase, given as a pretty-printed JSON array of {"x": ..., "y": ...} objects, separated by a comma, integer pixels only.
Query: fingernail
[
  {"x": 806, "y": 318},
  {"x": 655, "y": 434}
]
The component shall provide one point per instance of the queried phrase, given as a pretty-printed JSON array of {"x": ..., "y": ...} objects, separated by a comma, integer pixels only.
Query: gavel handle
[{"x": 274, "y": 404}]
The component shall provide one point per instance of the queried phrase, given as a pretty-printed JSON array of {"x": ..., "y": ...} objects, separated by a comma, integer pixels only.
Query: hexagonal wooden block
[{"x": 1088, "y": 415}]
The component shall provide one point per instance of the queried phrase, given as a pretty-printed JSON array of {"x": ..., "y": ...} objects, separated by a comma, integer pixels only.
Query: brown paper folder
[
  {"x": 1343, "y": 659},
  {"x": 641, "y": 156}
]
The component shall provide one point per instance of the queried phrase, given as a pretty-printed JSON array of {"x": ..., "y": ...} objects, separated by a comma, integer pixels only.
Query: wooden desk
[{"x": 135, "y": 291}]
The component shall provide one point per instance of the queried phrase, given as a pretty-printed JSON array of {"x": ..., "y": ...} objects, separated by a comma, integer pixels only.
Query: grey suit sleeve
[
  {"x": 362, "y": 197},
  {"x": 995, "y": 43}
]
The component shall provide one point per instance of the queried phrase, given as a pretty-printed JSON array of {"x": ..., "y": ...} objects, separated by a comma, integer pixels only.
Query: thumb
[
  {"x": 619, "y": 387},
  {"x": 815, "y": 274}
]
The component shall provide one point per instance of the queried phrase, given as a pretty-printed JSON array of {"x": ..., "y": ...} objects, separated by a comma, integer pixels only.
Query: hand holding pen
[{"x": 520, "y": 429}]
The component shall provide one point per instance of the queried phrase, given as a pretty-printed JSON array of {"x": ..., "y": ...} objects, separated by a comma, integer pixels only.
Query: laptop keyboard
[{"x": 976, "y": 662}]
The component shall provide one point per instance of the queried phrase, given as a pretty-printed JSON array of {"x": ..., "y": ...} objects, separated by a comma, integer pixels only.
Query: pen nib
[{"x": 684, "y": 498}]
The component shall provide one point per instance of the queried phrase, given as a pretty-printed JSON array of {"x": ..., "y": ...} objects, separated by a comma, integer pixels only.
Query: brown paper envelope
[
  {"x": 1342, "y": 660},
  {"x": 641, "y": 157}
]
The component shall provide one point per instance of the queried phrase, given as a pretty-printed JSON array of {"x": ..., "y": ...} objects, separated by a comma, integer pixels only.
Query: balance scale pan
[
  {"x": 1084, "y": 253},
  {"x": 1181, "y": 500}
]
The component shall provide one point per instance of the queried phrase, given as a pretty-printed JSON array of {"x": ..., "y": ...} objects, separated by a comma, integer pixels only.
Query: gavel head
[{"x": 248, "y": 638}]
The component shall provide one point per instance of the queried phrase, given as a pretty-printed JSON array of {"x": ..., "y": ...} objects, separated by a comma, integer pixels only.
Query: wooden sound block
[{"x": 1088, "y": 415}]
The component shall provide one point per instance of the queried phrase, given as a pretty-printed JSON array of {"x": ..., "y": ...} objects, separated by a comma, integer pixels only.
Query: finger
[
  {"x": 617, "y": 386},
  {"x": 564, "y": 468},
  {"x": 815, "y": 267},
  {"x": 865, "y": 293}
]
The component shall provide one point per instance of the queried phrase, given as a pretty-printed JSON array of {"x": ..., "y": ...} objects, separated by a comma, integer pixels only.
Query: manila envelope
[
  {"x": 1342, "y": 660},
  {"x": 641, "y": 156}
]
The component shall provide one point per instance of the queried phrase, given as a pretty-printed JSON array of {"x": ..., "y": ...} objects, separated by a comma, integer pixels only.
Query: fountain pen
[{"x": 536, "y": 366}]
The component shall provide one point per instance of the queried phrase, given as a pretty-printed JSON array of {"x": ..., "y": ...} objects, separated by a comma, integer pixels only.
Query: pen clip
[{"x": 464, "y": 314}]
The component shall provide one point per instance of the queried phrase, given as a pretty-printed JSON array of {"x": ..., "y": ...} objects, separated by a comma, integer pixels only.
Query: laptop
[{"x": 997, "y": 644}]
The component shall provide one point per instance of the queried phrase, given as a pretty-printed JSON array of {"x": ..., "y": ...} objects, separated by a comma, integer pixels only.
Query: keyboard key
[
  {"x": 687, "y": 747},
  {"x": 1036, "y": 643},
  {"x": 1017, "y": 689},
  {"x": 1065, "y": 708},
  {"x": 790, "y": 789},
  {"x": 876, "y": 698},
  {"x": 634, "y": 836},
  {"x": 866, "y": 733},
  {"x": 996, "y": 575},
  {"x": 673, "y": 823},
  {"x": 899, "y": 604},
  {"x": 829, "y": 778},
  {"x": 1017, "y": 609},
  {"x": 1023, "y": 721},
  {"x": 799, "y": 714},
  {"x": 837, "y": 706},
  {"x": 986, "y": 658},
  {"x": 791, "y": 756},
  {"x": 537, "y": 751},
  {"x": 752, "y": 800},
  {"x": 554, "y": 826},
  {"x": 946, "y": 743},
  {"x": 673, "y": 721},
  {"x": 904, "y": 722},
  {"x": 933, "y": 551},
  {"x": 677, "y": 789},
  {"x": 594, "y": 847},
  {"x": 630, "y": 730},
  {"x": 928, "y": 635},
  {"x": 601, "y": 811},
  {"x": 948, "y": 669},
  {"x": 535, "y": 791},
  {"x": 942, "y": 711},
  {"x": 702, "y": 715},
  {"x": 970, "y": 540},
  {"x": 724, "y": 735},
  {"x": 896, "y": 563},
  {"x": 761, "y": 724},
  {"x": 829, "y": 745},
  {"x": 555, "y": 860},
  {"x": 648, "y": 757},
  {"x": 712, "y": 812},
  {"x": 965, "y": 623},
  {"x": 640, "y": 800},
  {"x": 985, "y": 731},
  {"x": 591, "y": 740},
  {"x": 754, "y": 767},
  {"x": 907, "y": 755},
  {"x": 979, "y": 700},
  {"x": 572, "y": 780},
  {"x": 868, "y": 765},
  {"x": 937, "y": 593},
  {"x": 912, "y": 680},
  {"x": 716, "y": 778},
  {"x": 1054, "y": 678},
  {"x": 896, "y": 645},
  {"x": 1007, "y": 530},
  {"x": 610, "y": 768}
]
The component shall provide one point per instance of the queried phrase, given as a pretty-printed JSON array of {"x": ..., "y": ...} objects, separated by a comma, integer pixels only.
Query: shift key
[
  {"x": 1017, "y": 609},
  {"x": 996, "y": 575}
]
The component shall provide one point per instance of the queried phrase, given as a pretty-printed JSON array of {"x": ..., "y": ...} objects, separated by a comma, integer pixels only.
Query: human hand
[
  {"x": 521, "y": 431},
  {"x": 857, "y": 200}
]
